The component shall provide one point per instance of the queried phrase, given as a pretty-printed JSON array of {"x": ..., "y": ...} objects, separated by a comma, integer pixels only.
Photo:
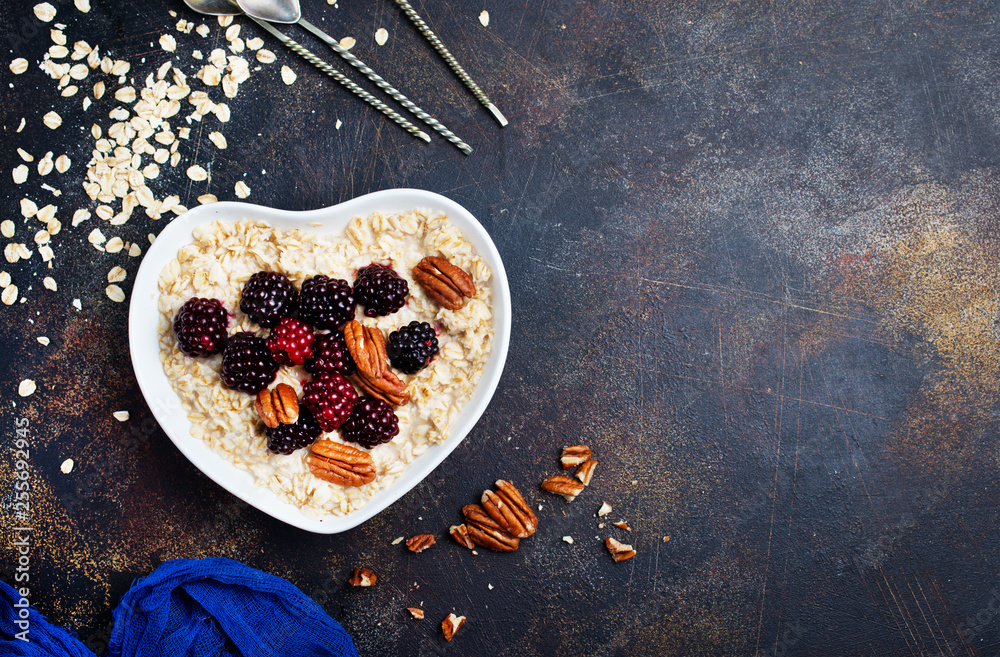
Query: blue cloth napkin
[{"x": 194, "y": 608}]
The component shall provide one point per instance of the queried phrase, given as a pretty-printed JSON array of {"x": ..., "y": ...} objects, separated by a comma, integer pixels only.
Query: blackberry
[
  {"x": 412, "y": 347},
  {"x": 201, "y": 327},
  {"x": 247, "y": 364},
  {"x": 330, "y": 354},
  {"x": 291, "y": 342},
  {"x": 286, "y": 438},
  {"x": 267, "y": 297},
  {"x": 371, "y": 423},
  {"x": 380, "y": 290},
  {"x": 326, "y": 303},
  {"x": 330, "y": 397}
]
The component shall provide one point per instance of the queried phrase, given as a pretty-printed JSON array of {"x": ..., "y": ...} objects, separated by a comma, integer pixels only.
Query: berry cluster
[{"x": 329, "y": 402}]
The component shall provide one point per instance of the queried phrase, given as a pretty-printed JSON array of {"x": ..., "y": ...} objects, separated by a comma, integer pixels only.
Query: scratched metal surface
[{"x": 753, "y": 253}]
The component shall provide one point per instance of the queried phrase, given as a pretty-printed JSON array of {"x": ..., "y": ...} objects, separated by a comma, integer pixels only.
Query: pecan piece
[
  {"x": 388, "y": 387},
  {"x": 451, "y": 625},
  {"x": 279, "y": 405},
  {"x": 420, "y": 542},
  {"x": 485, "y": 531},
  {"x": 574, "y": 455},
  {"x": 340, "y": 464},
  {"x": 416, "y": 612},
  {"x": 444, "y": 282},
  {"x": 586, "y": 471},
  {"x": 366, "y": 345},
  {"x": 362, "y": 577},
  {"x": 513, "y": 498},
  {"x": 461, "y": 535},
  {"x": 568, "y": 487},
  {"x": 503, "y": 514},
  {"x": 619, "y": 551}
]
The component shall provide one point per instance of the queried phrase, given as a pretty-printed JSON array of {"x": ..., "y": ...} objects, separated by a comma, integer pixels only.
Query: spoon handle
[
  {"x": 386, "y": 87},
  {"x": 344, "y": 80},
  {"x": 480, "y": 95}
]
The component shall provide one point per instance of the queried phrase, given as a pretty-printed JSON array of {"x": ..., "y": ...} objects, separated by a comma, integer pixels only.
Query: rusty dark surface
[{"x": 754, "y": 260}]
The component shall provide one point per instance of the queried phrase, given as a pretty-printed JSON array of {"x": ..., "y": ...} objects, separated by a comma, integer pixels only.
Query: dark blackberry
[
  {"x": 326, "y": 303},
  {"x": 380, "y": 290},
  {"x": 291, "y": 342},
  {"x": 371, "y": 423},
  {"x": 267, "y": 297},
  {"x": 330, "y": 397},
  {"x": 201, "y": 327},
  {"x": 330, "y": 354},
  {"x": 247, "y": 364},
  {"x": 286, "y": 438},
  {"x": 412, "y": 347}
]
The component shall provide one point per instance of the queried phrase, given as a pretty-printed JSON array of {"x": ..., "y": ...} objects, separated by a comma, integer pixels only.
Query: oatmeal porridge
[{"x": 224, "y": 256}]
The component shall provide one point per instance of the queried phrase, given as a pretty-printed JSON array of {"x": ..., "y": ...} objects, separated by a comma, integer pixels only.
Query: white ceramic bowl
[{"x": 167, "y": 407}]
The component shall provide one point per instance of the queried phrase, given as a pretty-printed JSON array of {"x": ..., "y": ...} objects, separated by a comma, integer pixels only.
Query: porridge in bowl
[{"x": 325, "y": 364}]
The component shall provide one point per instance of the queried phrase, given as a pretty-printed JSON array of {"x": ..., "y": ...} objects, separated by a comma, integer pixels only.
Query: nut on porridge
[{"x": 378, "y": 336}]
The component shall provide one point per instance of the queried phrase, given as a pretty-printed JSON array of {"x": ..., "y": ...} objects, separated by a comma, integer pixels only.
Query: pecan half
[
  {"x": 444, "y": 282},
  {"x": 420, "y": 542},
  {"x": 452, "y": 624},
  {"x": 388, "y": 387},
  {"x": 461, "y": 535},
  {"x": 562, "y": 485},
  {"x": 513, "y": 498},
  {"x": 340, "y": 464},
  {"x": 362, "y": 577},
  {"x": 279, "y": 405},
  {"x": 504, "y": 515},
  {"x": 586, "y": 471},
  {"x": 366, "y": 345},
  {"x": 619, "y": 551},
  {"x": 416, "y": 612},
  {"x": 485, "y": 531},
  {"x": 574, "y": 455}
]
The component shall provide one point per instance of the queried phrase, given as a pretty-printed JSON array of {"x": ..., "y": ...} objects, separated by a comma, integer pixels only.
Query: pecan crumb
[
  {"x": 451, "y": 625},
  {"x": 416, "y": 612},
  {"x": 362, "y": 577}
]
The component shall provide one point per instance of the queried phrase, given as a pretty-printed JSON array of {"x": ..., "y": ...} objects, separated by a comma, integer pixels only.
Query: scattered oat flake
[
  {"x": 82, "y": 5},
  {"x": 218, "y": 139},
  {"x": 484, "y": 18},
  {"x": 242, "y": 190},
  {"x": 117, "y": 275},
  {"x": 114, "y": 245},
  {"x": 398, "y": 540},
  {"x": 21, "y": 125},
  {"x": 45, "y": 12},
  {"x": 4, "y": 279},
  {"x": 121, "y": 416},
  {"x": 205, "y": 199},
  {"x": 115, "y": 293},
  {"x": 7, "y": 228},
  {"x": 287, "y": 75},
  {"x": 348, "y": 42},
  {"x": 568, "y": 539},
  {"x": 63, "y": 163},
  {"x": 67, "y": 466},
  {"x": 50, "y": 283},
  {"x": 338, "y": 124},
  {"x": 134, "y": 250},
  {"x": 9, "y": 295},
  {"x": 26, "y": 388},
  {"x": 125, "y": 95},
  {"x": 20, "y": 174},
  {"x": 43, "y": 340},
  {"x": 168, "y": 42},
  {"x": 19, "y": 66},
  {"x": 52, "y": 120},
  {"x": 197, "y": 173},
  {"x": 25, "y": 155},
  {"x": 381, "y": 36}
]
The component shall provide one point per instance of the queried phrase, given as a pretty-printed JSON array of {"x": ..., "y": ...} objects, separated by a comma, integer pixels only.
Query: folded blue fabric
[
  {"x": 25, "y": 633},
  {"x": 200, "y": 608}
]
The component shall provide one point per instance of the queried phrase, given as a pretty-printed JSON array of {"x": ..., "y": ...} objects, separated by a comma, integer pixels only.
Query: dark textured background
[{"x": 753, "y": 254}]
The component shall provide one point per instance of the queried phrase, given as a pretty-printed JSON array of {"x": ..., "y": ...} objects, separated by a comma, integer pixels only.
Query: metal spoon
[
  {"x": 290, "y": 11},
  {"x": 225, "y": 8}
]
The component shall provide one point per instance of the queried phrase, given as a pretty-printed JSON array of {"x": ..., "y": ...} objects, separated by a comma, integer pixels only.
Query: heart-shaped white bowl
[{"x": 166, "y": 405}]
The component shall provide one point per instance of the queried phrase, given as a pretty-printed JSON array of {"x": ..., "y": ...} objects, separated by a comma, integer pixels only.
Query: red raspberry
[
  {"x": 291, "y": 341},
  {"x": 330, "y": 397}
]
